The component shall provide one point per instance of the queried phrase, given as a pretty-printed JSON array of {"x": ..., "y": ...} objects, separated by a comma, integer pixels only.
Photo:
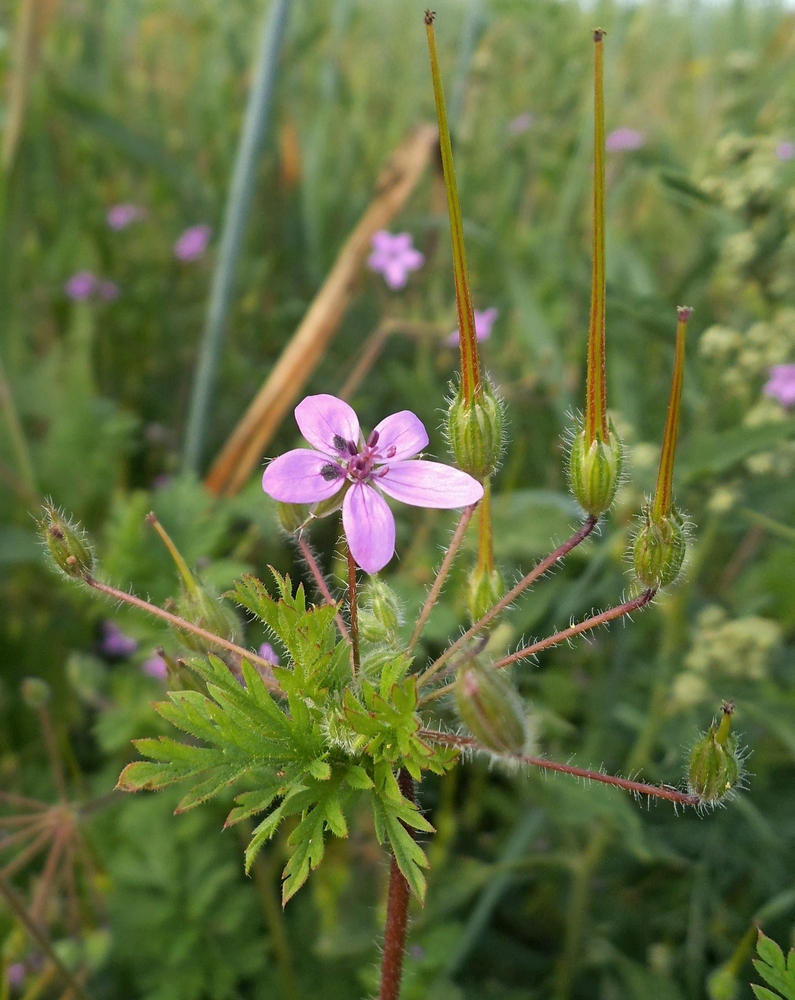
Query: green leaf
[
  {"x": 776, "y": 971},
  {"x": 410, "y": 857}
]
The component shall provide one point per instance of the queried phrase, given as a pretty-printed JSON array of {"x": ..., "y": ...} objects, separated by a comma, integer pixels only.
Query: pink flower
[
  {"x": 81, "y": 286},
  {"x": 384, "y": 463},
  {"x": 781, "y": 385},
  {"x": 624, "y": 138},
  {"x": 121, "y": 216},
  {"x": 192, "y": 243},
  {"x": 267, "y": 652},
  {"x": 484, "y": 321},
  {"x": 155, "y": 666},
  {"x": 114, "y": 643},
  {"x": 521, "y": 123},
  {"x": 394, "y": 256},
  {"x": 785, "y": 151}
]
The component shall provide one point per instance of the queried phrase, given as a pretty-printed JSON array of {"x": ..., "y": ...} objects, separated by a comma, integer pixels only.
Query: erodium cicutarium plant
[{"x": 341, "y": 711}]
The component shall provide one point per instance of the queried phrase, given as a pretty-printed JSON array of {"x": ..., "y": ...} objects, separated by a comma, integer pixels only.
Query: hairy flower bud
[
  {"x": 35, "y": 692},
  {"x": 715, "y": 762},
  {"x": 202, "y": 607},
  {"x": 67, "y": 543},
  {"x": 380, "y": 613},
  {"x": 484, "y": 588},
  {"x": 659, "y": 548},
  {"x": 475, "y": 431},
  {"x": 491, "y": 708},
  {"x": 595, "y": 470}
]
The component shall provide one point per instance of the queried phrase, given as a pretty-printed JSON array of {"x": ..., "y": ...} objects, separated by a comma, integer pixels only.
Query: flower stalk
[
  {"x": 353, "y": 603},
  {"x": 397, "y": 913},
  {"x": 596, "y": 427}
]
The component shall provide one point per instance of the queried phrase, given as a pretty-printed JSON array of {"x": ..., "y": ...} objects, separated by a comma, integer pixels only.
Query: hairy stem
[
  {"x": 353, "y": 602},
  {"x": 637, "y": 787},
  {"x": 397, "y": 913},
  {"x": 584, "y": 626},
  {"x": 441, "y": 576},
  {"x": 167, "y": 616},
  {"x": 322, "y": 586},
  {"x": 544, "y": 566}
]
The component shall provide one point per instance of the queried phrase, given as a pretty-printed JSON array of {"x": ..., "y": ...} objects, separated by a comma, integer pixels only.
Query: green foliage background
[{"x": 538, "y": 887}]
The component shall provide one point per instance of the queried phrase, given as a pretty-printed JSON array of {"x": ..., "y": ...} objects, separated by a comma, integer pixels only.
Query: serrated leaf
[
  {"x": 763, "y": 993},
  {"x": 320, "y": 769},
  {"x": 142, "y": 774},
  {"x": 357, "y": 777},
  {"x": 774, "y": 968},
  {"x": 410, "y": 857}
]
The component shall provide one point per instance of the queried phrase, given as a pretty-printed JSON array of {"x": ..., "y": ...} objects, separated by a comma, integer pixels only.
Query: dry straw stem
[{"x": 249, "y": 440}]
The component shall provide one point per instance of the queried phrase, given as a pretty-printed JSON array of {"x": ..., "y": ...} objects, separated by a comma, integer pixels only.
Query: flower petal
[
  {"x": 301, "y": 476},
  {"x": 369, "y": 527},
  {"x": 403, "y": 431},
  {"x": 429, "y": 484},
  {"x": 323, "y": 418}
]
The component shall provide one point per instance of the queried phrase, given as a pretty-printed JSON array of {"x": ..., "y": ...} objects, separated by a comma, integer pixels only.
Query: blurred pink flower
[
  {"x": 155, "y": 666},
  {"x": 521, "y": 123},
  {"x": 624, "y": 138},
  {"x": 785, "y": 151},
  {"x": 267, "y": 652},
  {"x": 394, "y": 257},
  {"x": 15, "y": 974},
  {"x": 81, "y": 286},
  {"x": 108, "y": 290},
  {"x": 192, "y": 243},
  {"x": 121, "y": 216},
  {"x": 781, "y": 385},
  {"x": 484, "y": 321},
  {"x": 114, "y": 643}
]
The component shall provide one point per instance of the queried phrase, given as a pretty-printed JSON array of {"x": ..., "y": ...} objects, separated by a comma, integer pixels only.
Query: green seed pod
[
  {"x": 595, "y": 471},
  {"x": 715, "y": 765},
  {"x": 204, "y": 608},
  {"x": 35, "y": 692},
  {"x": 659, "y": 548},
  {"x": 491, "y": 708},
  {"x": 380, "y": 612},
  {"x": 484, "y": 589},
  {"x": 475, "y": 432},
  {"x": 67, "y": 543}
]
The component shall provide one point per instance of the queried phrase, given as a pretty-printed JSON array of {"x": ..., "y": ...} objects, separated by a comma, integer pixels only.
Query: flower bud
[
  {"x": 715, "y": 761},
  {"x": 475, "y": 431},
  {"x": 292, "y": 516},
  {"x": 67, "y": 543},
  {"x": 491, "y": 708},
  {"x": 595, "y": 470},
  {"x": 380, "y": 613},
  {"x": 658, "y": 550},
  {"x": 35, "y": 692},
  {"x": 202, "y": 607},
  {"x": 484, "y": 588}
]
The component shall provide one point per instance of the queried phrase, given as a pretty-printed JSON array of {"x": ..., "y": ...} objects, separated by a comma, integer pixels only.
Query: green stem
[
  {"x": 663, "y": 497},
  {"x": 596, "y": 392},
  {"x": 353, "y": 602},
  {"x": 236, "y": 218},
  {"x": 485, "y": 539},
  {"x": 470, "y": 362}
]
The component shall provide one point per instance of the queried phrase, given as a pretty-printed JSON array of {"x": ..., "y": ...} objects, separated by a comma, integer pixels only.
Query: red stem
[
  {"x": 397, "y": 912},
  {"x": 638, "y": 787}
]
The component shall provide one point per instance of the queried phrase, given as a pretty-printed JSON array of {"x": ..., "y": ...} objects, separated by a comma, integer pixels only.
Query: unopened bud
[
  {"x": 484, "y": 588},
  {"x": 292, "y": 516},
  {"x": 491, "y": 708},
  {"x": 595, "y": 470},
  {"x": 715, "y": 761},
  {"x": 203, "y": 608},
  {"x": 475, "y": 431},
  {"x": 380, "y": 613},
  {"x": 659, "y": 548},
  {"x": 35, "y": 692},
  {"x": 67, "y": 543}
]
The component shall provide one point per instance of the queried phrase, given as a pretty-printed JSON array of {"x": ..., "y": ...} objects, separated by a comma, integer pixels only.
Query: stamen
[
  {"x": 372, "y": 441},
  {"x": 392, "y": 451},
  {"x": 353, "y": 448},
  {"x": 381, "y": 472}
]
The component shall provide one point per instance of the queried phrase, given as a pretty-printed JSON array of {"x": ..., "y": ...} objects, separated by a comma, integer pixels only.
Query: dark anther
[
  {"x": 353, "y": 448},
  {"x": 372, "y": 441},
  {"x": 330, "y": 472},
  {"x": 340, "y": 443},
  {"x": 392, "y": 452},
  {"x": 382, "y": 471}
]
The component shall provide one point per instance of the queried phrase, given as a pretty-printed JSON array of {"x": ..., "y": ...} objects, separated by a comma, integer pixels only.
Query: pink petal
[
  {"x": 382, "y": 240},
  {"x": 324, "y": 418},
  {"x": 412, "y": 259},
  {"x": 429, "y": 484},
  {"x": 395, "y": 274},
  {"x": 401, "y": 242},
  {"x": 403, "y": 431},
  {"x": 369, "y": 527},
  {"x": 297, "y": 477}
]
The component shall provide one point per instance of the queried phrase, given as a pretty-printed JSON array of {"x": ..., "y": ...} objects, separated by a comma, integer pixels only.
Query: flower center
[{"x": 361, "y": 464}]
